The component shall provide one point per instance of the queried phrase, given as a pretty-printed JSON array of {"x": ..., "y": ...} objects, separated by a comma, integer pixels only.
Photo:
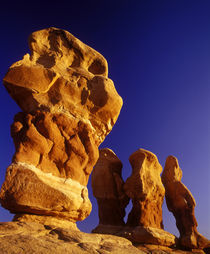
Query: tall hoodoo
[
  {"x": 69, "y": 106},
  {"x": 107, "y": 185},
  {"x": 181, "y": 203},
  {"x": 146, "y": 190}
]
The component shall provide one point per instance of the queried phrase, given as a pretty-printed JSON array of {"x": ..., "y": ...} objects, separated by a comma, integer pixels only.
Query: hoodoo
[
  {"x": 181, "y": 203},
  {"x": 107, "y": 185},
  {"x": 146, "y": 190},
  {"x": 69, "y": 106}
]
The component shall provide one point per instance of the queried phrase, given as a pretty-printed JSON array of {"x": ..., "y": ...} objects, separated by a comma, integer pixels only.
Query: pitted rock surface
[{"x": 62, "y": 74}]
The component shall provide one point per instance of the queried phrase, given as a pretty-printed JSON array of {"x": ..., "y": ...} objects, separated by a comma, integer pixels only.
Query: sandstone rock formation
[
  {"x": 181, "y": 203},
  {"x": 69, "y": 106},
  {"x": 63, "y": 75},
  {"x": 36, "y": 238},
  {"x": 148, "y": 235},
  {"x": 108, "y": 188},
  {"x": 145, "y": 189},
  {"x": 107, "y": 185}
]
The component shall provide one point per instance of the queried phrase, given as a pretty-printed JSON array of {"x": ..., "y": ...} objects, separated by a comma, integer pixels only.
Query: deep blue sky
[{"x": 158, "y": 53}]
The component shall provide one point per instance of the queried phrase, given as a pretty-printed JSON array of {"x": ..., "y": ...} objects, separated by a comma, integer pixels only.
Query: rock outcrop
[
  {"x": 107, "y": 185},
  {"x": 146, "y": 190},
  {"x": 148, "y": 235},
  {"x": 36, "y": 238},
  {"x": 69, "y": 106},
  {"x": 181, "y": 203}
]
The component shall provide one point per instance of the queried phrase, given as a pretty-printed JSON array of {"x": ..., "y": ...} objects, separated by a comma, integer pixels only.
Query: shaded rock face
[
  {"x": 69, "y": 106},
  {"x": 181, "y": 203},
  {"x": 107, "y": 185},
  {"x": 145, "y": 189}
]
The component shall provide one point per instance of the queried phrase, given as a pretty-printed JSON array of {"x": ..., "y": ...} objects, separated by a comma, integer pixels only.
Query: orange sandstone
[{"x": 69, "y": 106}]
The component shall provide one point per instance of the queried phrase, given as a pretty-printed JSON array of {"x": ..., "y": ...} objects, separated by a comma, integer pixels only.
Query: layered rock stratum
[{"x": 69, "y": 106}]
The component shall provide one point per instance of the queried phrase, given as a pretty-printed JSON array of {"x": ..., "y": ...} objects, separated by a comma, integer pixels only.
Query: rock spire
[
  {"x": 181, "y": 203},
  {"x": 146, "y": 190},
  {"x": 107, "y": 185}
]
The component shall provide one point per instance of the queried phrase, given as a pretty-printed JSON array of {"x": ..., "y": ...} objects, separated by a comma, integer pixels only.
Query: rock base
[
  {"x": 29, "y": 190},
  {"x": 50, "y": 221},
  {"x": 140, "y": 235},
  {"x": 32, "y": 237}
]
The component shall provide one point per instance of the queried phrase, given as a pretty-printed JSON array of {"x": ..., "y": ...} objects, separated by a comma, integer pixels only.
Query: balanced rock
[
  {"x": 69, "y": 106},
  {"x": 181, "y": 203},
  {"x": 146, "y": 190},
  {"x": 107, "y": 185}
]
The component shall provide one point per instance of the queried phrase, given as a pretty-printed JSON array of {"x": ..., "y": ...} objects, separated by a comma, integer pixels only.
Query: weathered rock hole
[
  {"x": 46, "y": 60},
  {"x": 97, "y": 67}
]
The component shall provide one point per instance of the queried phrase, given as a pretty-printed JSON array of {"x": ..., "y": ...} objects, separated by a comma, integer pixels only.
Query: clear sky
[{"x": 158, "y": 53}]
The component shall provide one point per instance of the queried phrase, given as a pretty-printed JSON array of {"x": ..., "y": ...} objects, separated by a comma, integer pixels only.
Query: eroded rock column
[
  {"x": 181, "y": 203},
  {"x": 107, "y": 185},
  {"x": 69, "y": 106},
  {"x": 146, "y": 190}
]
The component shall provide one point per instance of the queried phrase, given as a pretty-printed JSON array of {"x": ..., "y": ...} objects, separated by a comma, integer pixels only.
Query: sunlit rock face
[
  {"x": 64, "y": 75},
  {"x": 107, "y": 185},
  {"x": 181, "y": 203},
  {"x": 69, "y": 106},
  {"x": 146, "y": 190}
]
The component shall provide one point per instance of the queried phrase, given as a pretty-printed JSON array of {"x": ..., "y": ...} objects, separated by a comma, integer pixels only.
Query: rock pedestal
[
  {"x": 69, "y": 106},
  {"x": 107, "y": 185},
  {"x": 181, "y": 203},
  {"x": 146, "y": 190}
]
